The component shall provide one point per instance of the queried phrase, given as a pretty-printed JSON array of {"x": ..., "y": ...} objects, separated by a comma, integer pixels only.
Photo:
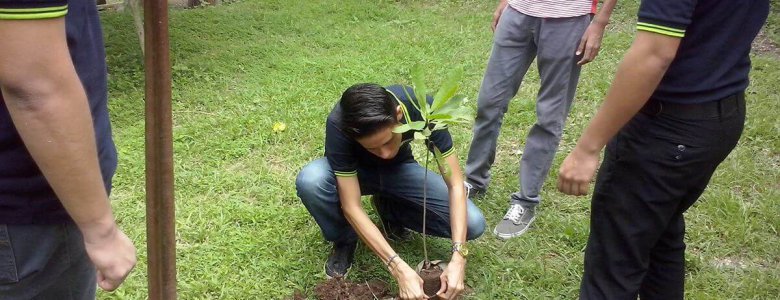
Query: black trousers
[
  {"x": 45, "y": 262},
  {"x": 654, "y": 169}
]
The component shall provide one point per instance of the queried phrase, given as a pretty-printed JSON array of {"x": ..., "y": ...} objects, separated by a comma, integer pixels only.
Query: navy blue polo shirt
[
  {"x": 713, "y": 59},
  {"x": 345, "y": 154},
  {"x": 25, "y": 195}
]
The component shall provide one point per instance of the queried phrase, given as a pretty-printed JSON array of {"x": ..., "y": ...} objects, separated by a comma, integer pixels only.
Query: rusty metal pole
[{"x": 160, "y": 216}]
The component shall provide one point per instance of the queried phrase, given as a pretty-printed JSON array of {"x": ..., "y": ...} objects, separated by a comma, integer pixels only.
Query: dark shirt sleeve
[
  {"x": 667, "y": 17},
  {"x": 442, "y": 140},
  {"x": 32, "y": 9},
  {"x": 339, "y": 150}
]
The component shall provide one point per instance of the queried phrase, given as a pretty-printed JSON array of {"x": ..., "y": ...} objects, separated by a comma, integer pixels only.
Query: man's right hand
[
  {"x": 410, "y": 285},
  {"x": 112, "y": 253},
  {"x": 497, "y": 14}
]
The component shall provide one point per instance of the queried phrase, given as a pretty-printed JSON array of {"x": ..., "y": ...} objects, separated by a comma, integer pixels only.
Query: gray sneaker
[{"x": 516, "y": 221}]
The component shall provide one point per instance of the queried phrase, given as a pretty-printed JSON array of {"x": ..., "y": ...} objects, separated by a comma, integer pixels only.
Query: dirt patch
[
  {"x": 763, "y": 45},
  {"x": 342, "y": 289},
  {"x": 431, "y": 280}
]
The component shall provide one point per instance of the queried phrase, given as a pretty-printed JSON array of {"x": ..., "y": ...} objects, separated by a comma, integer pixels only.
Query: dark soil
[
  {"x": 431, "y": 280},
  {"x": 342, "y": 289}
]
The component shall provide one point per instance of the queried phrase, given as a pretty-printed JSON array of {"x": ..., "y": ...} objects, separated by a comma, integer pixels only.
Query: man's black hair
[{"x": 366, "y": 108}]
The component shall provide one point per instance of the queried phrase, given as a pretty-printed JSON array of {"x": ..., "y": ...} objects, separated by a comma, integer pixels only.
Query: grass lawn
[{"x": 242, "y": 231}]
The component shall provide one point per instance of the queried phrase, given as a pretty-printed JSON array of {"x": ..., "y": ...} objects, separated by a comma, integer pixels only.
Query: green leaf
[
  {"x": 414, "y": 103},
  {"x": 454, "y": 103},
  {"x": 440, "y": 117},
  {"x": 462, "y": 113},
  {"x": 417, "y": 125},
  {"x": 418, "y": 135},
  {"x": 426, "y": 132},
  {"x": 402, "y": 128},
  {"x": 439, "y": 126},
  {"x": 448, "y": 88},
  {"x": 420, "y": 91}
]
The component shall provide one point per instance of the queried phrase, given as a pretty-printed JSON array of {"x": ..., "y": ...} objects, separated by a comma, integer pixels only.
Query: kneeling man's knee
[{"x": 476, "y": 224}]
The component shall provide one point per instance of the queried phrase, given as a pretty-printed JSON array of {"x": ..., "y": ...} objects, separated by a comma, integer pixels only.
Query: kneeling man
[{"x": 363, "y": 156}]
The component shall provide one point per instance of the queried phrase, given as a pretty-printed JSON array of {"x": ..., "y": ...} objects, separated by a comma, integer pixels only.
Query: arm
[
  {"x": 637, "y": 76},
  {"x": 49, "y": 107},
  {"x": 497, "y": 14},
  {"x": 453, "y": 278},
  {"x": 409, "y": 283},
  {"x": 590, "y": 43}
]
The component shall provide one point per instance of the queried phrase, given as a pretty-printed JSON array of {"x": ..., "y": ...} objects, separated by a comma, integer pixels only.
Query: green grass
[
  {"x": 773, "y": 26},
  {"x": 242, "y": 231}
]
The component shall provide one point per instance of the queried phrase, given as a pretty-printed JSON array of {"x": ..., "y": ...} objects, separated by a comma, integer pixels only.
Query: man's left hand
[
  {"x": 452, "y": 278},
  {"x": 577, "y": 171},
  {"x": 590, "y": 43}
]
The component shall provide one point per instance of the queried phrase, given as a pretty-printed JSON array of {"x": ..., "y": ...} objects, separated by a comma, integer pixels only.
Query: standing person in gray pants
[{"x": 562, "y": 38}]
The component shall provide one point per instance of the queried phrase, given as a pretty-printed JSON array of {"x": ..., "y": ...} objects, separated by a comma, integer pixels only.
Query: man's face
[{"x": 384, "y": 143}]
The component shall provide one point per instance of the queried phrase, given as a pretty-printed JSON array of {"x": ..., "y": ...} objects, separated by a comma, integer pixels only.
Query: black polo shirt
[
  {"x": 713, "y": 59},
  {"x": 25, "y": 195},
  {"x": 345, "y": 154}
]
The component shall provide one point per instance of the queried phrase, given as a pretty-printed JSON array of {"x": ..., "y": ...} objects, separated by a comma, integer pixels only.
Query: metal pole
[{"x": 160, "y": 217}]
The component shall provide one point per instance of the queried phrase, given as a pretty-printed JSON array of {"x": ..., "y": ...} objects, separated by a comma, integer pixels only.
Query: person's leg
[
  {"x": 402, "y": 189},
  {"x": 559, "y": 73},
  {"x": 513, "y": 51},
  {"x": 44, "y": 262},
  {"x": 633, "y": 203},
  {"x": 665, "y": 278},
  {"x": 557, "y": 41},
  {"x": 655, "y": 168},
  {"x": 317, "y": 187}
]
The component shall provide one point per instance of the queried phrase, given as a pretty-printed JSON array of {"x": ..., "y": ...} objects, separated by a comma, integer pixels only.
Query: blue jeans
[
  {"x": 401, "y": 190},
  {"x": 44, "y": 262}
]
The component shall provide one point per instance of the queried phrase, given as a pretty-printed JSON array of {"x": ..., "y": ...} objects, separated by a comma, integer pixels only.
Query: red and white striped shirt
[{"x": 554, "y": 8}]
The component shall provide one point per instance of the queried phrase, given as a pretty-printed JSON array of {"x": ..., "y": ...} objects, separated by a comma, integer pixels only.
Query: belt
[{"x": 706, "y": 110}]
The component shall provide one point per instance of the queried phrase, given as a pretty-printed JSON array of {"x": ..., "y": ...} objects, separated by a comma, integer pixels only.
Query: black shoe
[
  {"x": 394, "y": 232},
  {"x": 472, "y": 192},
  {"x": 340, "y": 260},
  {"x": 391, "y": 230}
]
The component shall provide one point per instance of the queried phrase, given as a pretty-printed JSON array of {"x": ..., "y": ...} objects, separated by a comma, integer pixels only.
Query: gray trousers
[
  {"x": 518, "y": 40},
  {"x": 44, "y": 262}
]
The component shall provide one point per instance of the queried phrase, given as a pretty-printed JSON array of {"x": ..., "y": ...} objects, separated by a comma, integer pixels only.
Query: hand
[
  {"x": 452, "y": 278},
  {"x": 112, "y": 253},
  {"x": 590, "y": 43},
  {"x": 410, "y": 285},
  {"x": 497, "y": 14},
  {"x": 577, "y": 171}
]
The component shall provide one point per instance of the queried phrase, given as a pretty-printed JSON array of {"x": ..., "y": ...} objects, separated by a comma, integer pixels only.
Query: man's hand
[
  {"x": 410, "y": 285},
  {"x": 497, "y": 14},
  {"x": 577, "y": 171},
  {"x": 590, "y": 43},
  {"x": 113, "y": 254},
  {"x": 452, "y": 279}
]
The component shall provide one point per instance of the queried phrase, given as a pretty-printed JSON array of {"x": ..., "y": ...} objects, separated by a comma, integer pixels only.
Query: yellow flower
[{"x": 279, "y": 127}]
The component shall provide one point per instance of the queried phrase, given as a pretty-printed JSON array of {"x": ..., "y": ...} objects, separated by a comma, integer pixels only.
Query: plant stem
[{"x": 425, "y": 203}]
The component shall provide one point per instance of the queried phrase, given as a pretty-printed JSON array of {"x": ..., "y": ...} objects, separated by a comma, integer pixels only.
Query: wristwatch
[{"x": 460, "y": 248}]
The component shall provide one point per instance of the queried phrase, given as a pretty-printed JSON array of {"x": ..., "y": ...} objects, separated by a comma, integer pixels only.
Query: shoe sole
[
  {"x": 325, "y": 269},
  {"x": 505, "y": 236}
]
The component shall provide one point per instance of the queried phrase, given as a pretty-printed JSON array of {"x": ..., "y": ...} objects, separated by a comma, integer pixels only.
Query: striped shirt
[{"x": 554, "y": 8}]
